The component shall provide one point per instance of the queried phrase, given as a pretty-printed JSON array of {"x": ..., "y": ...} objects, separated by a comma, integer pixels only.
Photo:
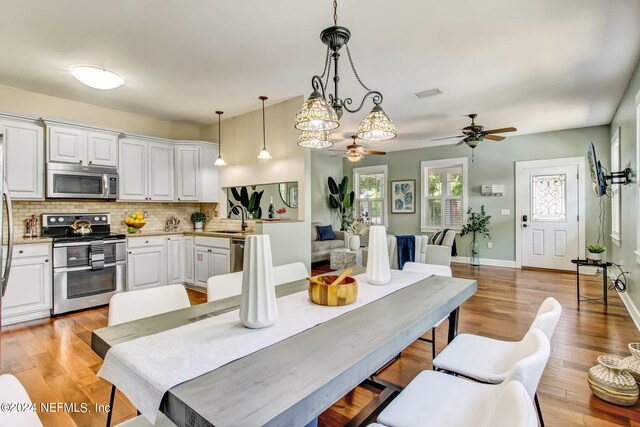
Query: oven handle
[
  {"x": 106, "y": 242},
  {"x": 85, "y": 267}
]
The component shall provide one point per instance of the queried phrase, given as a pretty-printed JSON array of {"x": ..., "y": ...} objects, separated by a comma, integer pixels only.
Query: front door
[{"x": 548, "y": 197}]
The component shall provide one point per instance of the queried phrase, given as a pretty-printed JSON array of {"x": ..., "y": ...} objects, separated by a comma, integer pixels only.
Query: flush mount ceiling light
[
  {"x": 219, "y": 161},
  {"x": 97, "y": 78},
  {"x": 322, "y": 112},
  {"x": 264, "y": 154}
]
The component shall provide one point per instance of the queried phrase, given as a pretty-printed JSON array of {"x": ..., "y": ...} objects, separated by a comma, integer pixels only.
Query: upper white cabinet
[
  {"x": 146, "y": 170},
  {"x": 24, "y": 158},
  {"x": 84, "y": 146},
  {"x": 197, "y": 179}
]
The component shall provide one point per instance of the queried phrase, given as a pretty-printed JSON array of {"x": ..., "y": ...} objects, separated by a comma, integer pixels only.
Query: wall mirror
[{"x": 256, "y": 199}]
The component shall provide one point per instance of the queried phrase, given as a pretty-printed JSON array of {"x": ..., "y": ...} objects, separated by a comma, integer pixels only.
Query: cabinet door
[
  {"x": 133, "y": 170},
  {"x": 146, "y": 267},
  {"x": 209, "y": 174},
  {"x": 24, "y": 155},
  {"x": 221, "y": 261},
  {"x": 189, "y": 264},
  {"x": 203, "y": 265},
  {"x": 28, "y": 291},
  {"x": 187, "y": 173},
  {"x": 160, "y": 175},
  {"x": 102, "y": 149},
  {"x": 175, "y": 261},
  {"x": 67, "y": 145}
]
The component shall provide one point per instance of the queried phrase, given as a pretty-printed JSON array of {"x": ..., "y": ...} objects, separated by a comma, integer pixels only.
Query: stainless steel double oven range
[{"x": 89, "y": 263}]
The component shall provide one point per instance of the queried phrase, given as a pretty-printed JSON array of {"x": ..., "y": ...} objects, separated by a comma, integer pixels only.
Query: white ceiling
[{"x": 537, "y": 65}]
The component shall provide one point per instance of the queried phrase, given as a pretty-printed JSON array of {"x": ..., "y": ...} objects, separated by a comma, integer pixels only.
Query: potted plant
[
  {"x": 477, "y": 223},
  {"x": 356, "y": 229},
  {"x": 341, "y": 199},
  {"x": 198, "y": 219},
  {"x": 596, "y": 253}
]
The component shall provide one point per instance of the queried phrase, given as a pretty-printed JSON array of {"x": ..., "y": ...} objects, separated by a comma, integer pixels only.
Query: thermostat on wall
[{"x": 493, "y": 190}]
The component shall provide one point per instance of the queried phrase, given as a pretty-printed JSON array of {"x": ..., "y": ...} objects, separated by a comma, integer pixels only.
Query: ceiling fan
[
  {"x": 356, "y": 152},
  {"x": 473, "y": 134}
]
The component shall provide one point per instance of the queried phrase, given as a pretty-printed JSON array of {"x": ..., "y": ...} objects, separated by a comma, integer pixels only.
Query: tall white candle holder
[
  {"x": 258, "y": 307},
  {"x": 378, "y": 270}
]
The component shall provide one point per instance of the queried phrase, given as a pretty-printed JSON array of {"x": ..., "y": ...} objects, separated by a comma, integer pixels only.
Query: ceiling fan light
[
  {"x": 316, "y": 115},
  {"x": 354, "y": 156},
  {"x": 376, "y": 126},
  {"x": 315, "y": 139},
  {"x": 97, "y": 78}
]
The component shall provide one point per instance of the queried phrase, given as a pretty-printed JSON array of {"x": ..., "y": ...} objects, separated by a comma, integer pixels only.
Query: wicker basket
[
  {"x": 611, "y": 383},
  {"x": 632, "y": 363}
]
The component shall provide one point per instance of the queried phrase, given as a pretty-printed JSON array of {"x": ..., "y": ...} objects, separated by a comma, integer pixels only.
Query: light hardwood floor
[{"x": 54, "y": 361}]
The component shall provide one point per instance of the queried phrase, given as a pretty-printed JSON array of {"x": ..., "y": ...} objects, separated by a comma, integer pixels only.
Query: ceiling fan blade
[
  {"x": 461, "y": 142},
  {"x": 494, "y": 137},
  {"x": 337, "y": 155},
  {"x": 449, "y": 137},
  {"x": 382, "y": 153},
  {"x": 341, "y": 151},
  {"x": 501, "y": 130}
]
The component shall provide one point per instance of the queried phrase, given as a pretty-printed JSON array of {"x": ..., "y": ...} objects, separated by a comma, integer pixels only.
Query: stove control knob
[
  {"x": 52, "y": 220},
  {"x": 60, "y": 219},
  {"x": 104, "y": 218},
  {"x": 96, "y": 218}
]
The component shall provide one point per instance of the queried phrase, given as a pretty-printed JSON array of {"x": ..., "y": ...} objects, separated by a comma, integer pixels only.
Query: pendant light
[
  {"x": 219, "y": 161},
  {"x": 264, "y": 154}
]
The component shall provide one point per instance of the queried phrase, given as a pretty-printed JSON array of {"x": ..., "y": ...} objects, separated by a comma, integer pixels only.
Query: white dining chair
[
  {"x": 12, "y": 391},
  {"x": 228, "y": 285},
  {"x": 430, "y": 269},
  {"x": 437, "y": 399},
  {"x": 134, "y": 305},
  {"x": 487, "y": 359}
]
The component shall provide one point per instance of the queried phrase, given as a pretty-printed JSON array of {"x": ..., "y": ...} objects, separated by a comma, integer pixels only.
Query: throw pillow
[
  {"x": 325, "y": 232},
  {"x": 436, "y": 239}
]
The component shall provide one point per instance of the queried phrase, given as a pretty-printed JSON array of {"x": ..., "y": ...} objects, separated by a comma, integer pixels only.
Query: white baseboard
[
  {"x": 631, "y": 308},
  {"x": 485, "y": 261}
]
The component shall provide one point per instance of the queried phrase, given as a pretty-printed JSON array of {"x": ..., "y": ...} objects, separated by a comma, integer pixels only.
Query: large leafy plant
[
  {"x": 341, "y": 200},
  {"x": 250, "y": 202},
  {"x": 477, "y": 223}
]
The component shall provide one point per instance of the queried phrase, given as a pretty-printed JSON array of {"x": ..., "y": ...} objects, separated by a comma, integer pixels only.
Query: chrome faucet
[{"x": 243, "y": 216}]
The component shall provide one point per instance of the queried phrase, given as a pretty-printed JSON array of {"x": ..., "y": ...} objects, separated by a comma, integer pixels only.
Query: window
[
  {"x": 444, "y": 194},
  {"x": 615, "y": 190},
  {"x": 370, "y": 189}
]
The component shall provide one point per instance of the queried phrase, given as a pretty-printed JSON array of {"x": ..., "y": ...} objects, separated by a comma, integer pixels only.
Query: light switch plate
[{"x": 505, "y": 211}]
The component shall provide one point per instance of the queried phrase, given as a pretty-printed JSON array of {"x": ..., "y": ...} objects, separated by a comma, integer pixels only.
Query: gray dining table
[{"x": 292, "y": 382}]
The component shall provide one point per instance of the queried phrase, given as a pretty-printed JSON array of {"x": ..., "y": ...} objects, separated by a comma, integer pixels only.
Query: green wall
[
  {"x": 322, "y": 167},
  {"x": 625, "y": 118},
  {"x": 494, "y": 163}
]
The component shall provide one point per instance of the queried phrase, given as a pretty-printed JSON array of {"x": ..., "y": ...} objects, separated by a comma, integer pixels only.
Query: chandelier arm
[
  {"x": 376, "y": 97},
  {"x": 328, "y": 71},
  {"x": 353, "y": 68},
  {"x": 326, "y": 62},
  {"x": 316, "y": 83}
]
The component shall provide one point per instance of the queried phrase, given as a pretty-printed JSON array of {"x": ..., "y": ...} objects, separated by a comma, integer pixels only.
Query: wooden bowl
[
  {"x": 344, "y": 293},
  {"x": 137, "y": 226}
]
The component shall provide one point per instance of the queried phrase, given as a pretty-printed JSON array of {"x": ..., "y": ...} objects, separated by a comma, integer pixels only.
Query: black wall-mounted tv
[{"x": 597, "y": 174}]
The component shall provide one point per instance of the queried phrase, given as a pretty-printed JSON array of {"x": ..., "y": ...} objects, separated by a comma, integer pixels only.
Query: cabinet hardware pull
[
  {"x": 146, "y": 241},
  {"x": 46, "y": 260},
  {"x": 20, "y": 251},
  {"x": 80, "y": 161},
  {"x": 129, "y": 252},
  {"x": 90, "y": 162}
]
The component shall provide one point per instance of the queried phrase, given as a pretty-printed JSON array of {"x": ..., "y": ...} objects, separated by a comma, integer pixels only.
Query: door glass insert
[{"x": 548, "y": 200}]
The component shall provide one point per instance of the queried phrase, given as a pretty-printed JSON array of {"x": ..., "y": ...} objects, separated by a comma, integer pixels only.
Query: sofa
[{"x": 320, "y": 249}]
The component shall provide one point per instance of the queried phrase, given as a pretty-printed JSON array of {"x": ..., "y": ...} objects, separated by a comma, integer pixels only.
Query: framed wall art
[{"x": 403, "y": 196}]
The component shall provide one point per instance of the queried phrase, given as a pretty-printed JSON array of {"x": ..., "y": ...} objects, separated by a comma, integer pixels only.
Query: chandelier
[{"x": 321, "y": 112}]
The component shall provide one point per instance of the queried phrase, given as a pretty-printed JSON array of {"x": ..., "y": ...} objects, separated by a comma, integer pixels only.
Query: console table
[{"x": 584, "y": 263}]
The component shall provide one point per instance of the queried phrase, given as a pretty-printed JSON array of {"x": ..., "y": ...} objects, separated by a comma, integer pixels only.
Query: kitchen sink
[{"x": 229, "y": 232}]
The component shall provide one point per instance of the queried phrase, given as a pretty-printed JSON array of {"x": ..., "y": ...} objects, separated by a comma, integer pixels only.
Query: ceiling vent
[{"x": 429, "y": 93}]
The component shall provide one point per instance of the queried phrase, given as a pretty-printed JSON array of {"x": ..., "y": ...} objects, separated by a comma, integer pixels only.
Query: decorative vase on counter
[
  {"x": 354, "y": 242},
  {"x": 378, "y": 270},
  {"x": 632, "y": 363},
  {"x": 258, "y": 307},
  {"x": 612, "y": 383}
]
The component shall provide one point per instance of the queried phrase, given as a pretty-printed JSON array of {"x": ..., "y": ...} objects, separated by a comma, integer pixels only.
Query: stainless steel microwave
[{"x": 81, "y": 182}]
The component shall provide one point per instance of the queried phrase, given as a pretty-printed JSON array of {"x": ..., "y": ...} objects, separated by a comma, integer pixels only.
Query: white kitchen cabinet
[
  {"x": 189, "y": 258},
  {"x": 209, "y": 174},
  {"x": 187, "y": 161},
  {"x": 24, "y": 158},
  {"x": 83, "y": 146},
  {"x": 29, "y": 289},
  {"x": 146, "y": 170},
  {"x": 175, "y": 260},
  {"x": 213, "y": 257},
  {"x": 146, "y": 262}
]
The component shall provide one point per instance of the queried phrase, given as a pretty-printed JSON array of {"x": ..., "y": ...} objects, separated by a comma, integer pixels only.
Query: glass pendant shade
[
  {"x": 315, "y": 139},
  {"x": 354, "y": 156},
  {"x": 220, "y": 161},
  {"x": 376, "y": 126},
  {"x": 316, "y": 115},
  {"x": 264, "y": 154}
]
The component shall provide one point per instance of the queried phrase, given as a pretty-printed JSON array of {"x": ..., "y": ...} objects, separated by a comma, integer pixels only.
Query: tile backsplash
[{"x": 158, "y": 213}]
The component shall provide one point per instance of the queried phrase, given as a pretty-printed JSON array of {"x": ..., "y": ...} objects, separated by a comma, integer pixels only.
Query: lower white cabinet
[
  {"x": 29, "y": 289},
  {"x": 189, "y": 258},
  {"x": 146, "y": 262},
  {"x": 212, "y": 258},
  {"x": 175, "y": 260}
]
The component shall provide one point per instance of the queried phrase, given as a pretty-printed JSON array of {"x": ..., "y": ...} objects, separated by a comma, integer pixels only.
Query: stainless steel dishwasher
[{"x": 237, "y": 254}]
